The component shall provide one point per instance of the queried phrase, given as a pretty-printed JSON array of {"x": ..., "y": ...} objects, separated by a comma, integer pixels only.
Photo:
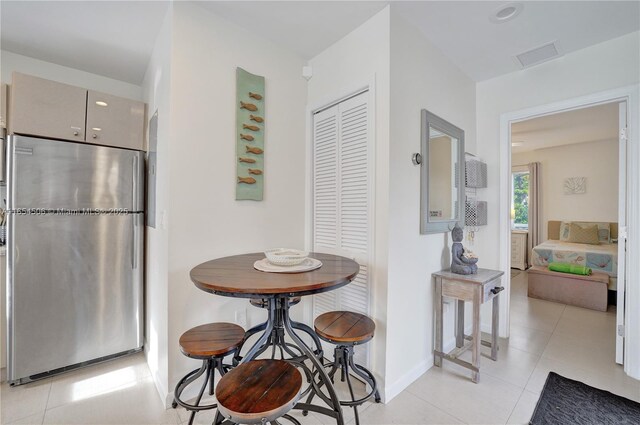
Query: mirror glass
[
  {"x": 442, "y": 185},
  {"x": 443, "y": 155}
]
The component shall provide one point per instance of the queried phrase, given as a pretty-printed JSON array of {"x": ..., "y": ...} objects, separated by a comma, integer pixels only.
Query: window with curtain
[{"x": 520, "y": 200}]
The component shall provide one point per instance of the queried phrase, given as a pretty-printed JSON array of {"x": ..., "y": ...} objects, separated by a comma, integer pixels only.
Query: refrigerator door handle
[
  {"x": 134, "y": 184},
  {"x": 134, "y": 245}
]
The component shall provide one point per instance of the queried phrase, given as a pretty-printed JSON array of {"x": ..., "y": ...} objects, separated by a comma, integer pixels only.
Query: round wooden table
[{"x": 235, "y": 277}]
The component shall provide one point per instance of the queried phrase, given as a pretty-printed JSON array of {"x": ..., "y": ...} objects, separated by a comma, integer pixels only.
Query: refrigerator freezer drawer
[{"x": 75, "y": 289}]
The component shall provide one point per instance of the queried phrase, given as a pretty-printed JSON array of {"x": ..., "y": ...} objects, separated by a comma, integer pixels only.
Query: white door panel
[
  {"x": 342, "y": 201},
  {"x": 622, "y": 233}
]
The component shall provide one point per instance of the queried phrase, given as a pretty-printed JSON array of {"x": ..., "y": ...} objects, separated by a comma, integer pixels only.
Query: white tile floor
[{"x": 545, "y": 336}]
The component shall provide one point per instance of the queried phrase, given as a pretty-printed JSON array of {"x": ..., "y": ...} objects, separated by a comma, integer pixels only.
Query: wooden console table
[{"x": 476, "y": 288}]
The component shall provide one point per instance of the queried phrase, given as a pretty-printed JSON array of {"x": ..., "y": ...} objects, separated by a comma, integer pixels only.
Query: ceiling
[
  {"x": 593, "y": 124},
  {"x": 483, "y": 49},
  {"x": 110, "y": 38},
  {"x": 304, "y": 27},
  {"x": 116, "y": 38}
]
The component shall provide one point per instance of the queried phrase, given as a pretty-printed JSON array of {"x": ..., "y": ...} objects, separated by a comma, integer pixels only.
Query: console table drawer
[
  {"x": 458, "y": 290},
  {"x": 491, "y": 289}
]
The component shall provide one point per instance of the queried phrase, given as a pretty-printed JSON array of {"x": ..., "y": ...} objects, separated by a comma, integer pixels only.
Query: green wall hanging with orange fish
[{"x": 250, "y": 122}]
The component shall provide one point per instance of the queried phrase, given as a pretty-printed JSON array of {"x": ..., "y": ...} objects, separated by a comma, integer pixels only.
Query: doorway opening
[
  {"x": 623, "y": 346},
  {"x": 565, "y": 213}
]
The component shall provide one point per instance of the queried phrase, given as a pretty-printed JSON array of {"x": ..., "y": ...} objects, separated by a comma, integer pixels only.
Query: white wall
[
  {"x": 605, "y": 66},
  {"x": 157, "y": 95},
  {"x": 203, "y": 218},
  {"x": 409, "y": 74},
  {"x": 597, "y": 161},
  {"x": 11, "y": 62},
  {"x": 421, "y": 77},
  {"x": 360, "y": 59}
]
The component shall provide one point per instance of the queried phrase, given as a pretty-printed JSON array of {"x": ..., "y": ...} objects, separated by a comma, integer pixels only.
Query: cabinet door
[
  {"x": 3, "y": 105},
  {"x": 115, "y": 121},
  {"x": 47, "y": 108}
]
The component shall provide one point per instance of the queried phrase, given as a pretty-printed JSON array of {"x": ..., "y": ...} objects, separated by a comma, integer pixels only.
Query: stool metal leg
[
  {"x": 254, "y": 330},
  {"x": 187, "y": 380},
  {"x": 353, "y": 397},
  {"x": 368, "y": 378},
  {"x": 334, "y": 368},
  {"x": 212, "y": 377},
  {"x": 209, "y": 366},
  {"x": 343, "y": 361},
  {"x": 306, "y": 329},
  {"x": 204, "y": 386}
]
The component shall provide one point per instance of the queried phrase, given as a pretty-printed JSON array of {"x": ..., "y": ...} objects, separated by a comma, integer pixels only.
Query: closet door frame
[{"x": 328, "y": 102}]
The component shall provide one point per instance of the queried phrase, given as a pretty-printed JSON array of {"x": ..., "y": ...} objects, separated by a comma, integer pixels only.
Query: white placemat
[{"x": 306, "y": 266}]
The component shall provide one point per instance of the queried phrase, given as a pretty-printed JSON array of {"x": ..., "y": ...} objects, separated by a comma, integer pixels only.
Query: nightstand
[{"x": 519, "y": 249}]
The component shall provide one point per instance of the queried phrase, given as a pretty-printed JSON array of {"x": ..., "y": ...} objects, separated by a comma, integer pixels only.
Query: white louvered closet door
[{"x": 341, "y": 201}]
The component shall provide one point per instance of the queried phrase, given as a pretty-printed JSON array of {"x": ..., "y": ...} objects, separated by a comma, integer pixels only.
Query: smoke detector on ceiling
[{"x": 539, "y": 55}]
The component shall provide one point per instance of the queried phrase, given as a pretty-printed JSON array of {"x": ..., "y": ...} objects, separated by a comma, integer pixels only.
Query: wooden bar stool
[
  {"x": 258, "y": 392},
  {"x": 209, "y": 343},
  {"x": 346, "y": 329}
]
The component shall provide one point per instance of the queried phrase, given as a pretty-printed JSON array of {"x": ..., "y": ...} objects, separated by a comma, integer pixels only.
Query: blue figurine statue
[{"x": 461, "y": 263}]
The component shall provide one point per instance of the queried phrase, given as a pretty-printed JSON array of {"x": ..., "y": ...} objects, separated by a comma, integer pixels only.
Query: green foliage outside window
[{"x": 521, "y": 199}]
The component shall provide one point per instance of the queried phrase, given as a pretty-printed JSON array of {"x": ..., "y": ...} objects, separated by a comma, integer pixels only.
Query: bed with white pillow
[{"x": 600, "y": 254}]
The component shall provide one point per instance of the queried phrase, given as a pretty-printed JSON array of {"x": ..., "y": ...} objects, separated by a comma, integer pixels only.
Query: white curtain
[{"x": 535, "y": 227}]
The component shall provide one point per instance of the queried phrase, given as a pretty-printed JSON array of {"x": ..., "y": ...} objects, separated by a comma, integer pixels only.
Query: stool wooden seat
[
  {"x": 258, "y": 391},
  {"x": 344, "y": 327},
  {"x": 263, "y": 303},
  {"x": 211, "y": 340},
  {"x": 209, "y": 343}
]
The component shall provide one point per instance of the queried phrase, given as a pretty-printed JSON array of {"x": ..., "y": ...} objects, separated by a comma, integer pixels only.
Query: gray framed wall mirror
[{"x": 442, "y": 194}]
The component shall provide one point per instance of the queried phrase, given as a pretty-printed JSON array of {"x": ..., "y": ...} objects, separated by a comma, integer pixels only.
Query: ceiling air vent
[{"x": 538, "y": 55}]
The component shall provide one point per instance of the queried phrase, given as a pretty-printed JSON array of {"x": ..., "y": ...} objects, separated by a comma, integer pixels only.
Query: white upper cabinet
[
  {"x": 115, "y": 121},
  {"x": 46, "y": 108}
]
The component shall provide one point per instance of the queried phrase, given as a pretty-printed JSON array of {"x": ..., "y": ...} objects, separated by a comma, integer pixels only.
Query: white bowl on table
[{"x": 285, "y": 256}]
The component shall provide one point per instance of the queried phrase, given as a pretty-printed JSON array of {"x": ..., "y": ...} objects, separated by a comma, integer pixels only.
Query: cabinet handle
[
  {"x": 75, "y": 133},
  {"x": 95, "y": 136},
  {"x": 497, "y": 289}
]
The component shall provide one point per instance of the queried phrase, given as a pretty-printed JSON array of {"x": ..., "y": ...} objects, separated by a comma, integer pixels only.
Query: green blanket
[{"x": 570, "y": 268}]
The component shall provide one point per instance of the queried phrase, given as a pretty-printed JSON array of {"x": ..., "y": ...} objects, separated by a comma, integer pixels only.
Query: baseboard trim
[
  {"x": 163, "y": 392},
  {"x": 407, "y": 379}
]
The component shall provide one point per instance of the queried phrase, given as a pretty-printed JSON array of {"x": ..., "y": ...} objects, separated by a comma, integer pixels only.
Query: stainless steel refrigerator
[{"x": 74, "y": 255}]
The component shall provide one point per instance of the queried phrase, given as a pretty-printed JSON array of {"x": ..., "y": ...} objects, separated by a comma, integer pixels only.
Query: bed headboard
[{"x": 553, "y": 230}]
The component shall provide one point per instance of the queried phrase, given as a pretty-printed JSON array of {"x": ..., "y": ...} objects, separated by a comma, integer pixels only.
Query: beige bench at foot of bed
[{"x": 582, "y": 291}]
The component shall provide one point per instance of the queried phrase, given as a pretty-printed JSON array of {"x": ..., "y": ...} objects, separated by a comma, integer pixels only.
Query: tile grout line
[
  {"x": 46, "y": 404},
  {"x": 514, "y": 406},
  {"x": 433, "y": 405},
  {"x": 564, "y": 307},
  {"x": 531, "y": 374},
  {"x": 450, "y": 414},
  {"x": 539, "y": 357},
  {"x": 438, "y": 408},
  {"x": 534, "y": 329}
]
